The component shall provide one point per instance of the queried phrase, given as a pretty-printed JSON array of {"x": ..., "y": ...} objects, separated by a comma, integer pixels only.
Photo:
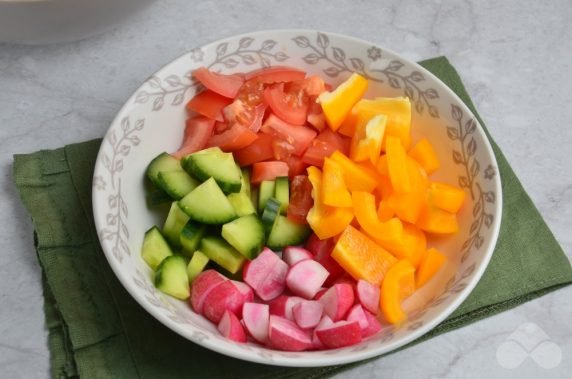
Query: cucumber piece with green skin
[
  {"x": 171, "y": 277},
  {"x": 265, "y": 192},
  {"x": 157, "y": 197},
  {"x": 282, "y": 193},
  {"x": 177, "y": 183},
  {"x": 254, "y": 197},
  {"x": 270, "y": 214},
  {"x": 246, "y": 235},
  {"x": 246, "y": 181},
  {"x": 220, "y": 251},
  {"x": 241, "y": 201},
  {"x": 286, "y": 232},
  {"x": 208, "y": 204},
  {"x": 174, "y": 224},
  {"x": 197, "y": 265},
  {"x": 155, "y": 248},
  {"x": 191, "y": 236},
  {"x": 218, "y": 165},
  {"x": 162, "y": 162}
]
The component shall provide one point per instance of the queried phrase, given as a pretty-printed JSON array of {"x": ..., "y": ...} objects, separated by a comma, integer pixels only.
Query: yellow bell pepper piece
[
  {"x": 397, "y": 165},
  {"x": 338, "y": 104},
  {"x": 425, "y": 155},
  {"x": 334, "y": 190},
  {"x": 356, "y": 177},
  {"x": 367, "y": 139},
  {"x": 431, "y": 263},
  {"x": 446, "y": 197},
  {"x": 398, "y": 283}
]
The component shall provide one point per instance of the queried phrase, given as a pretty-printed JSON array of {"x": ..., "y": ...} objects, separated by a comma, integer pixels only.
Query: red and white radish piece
[
  {"x": 373, "y": 325},
  {"x": 266, "y": 274},
  {"x": 308, "y": 313},
  {"x": 223, "y": 297},
  {"x": 338, "y": 300},
  {"x": 306, "y": 277},
  {"x": 368, "y": 295},
  {"x": 294, "y": 254},
  {"x": 230, "y": 327},
  {"x": 202, "y": 286},
  {"x": 245, "y": 290},
  {"x": 282, "y": 306},
  {"x": 255, "y": 317},
  {"x": 285, "y": 335},
  {"x": 324, "y": 322},
  {"x": 322, "y": 250},
  {"x": 340, "y": 334},
  {"x": 358, "y": 314},
  {"x": 320, "y": 293}
]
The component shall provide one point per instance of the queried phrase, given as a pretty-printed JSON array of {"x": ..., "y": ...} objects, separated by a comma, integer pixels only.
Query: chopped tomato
[
  {"x": 225, "y": 85},
  {"x": 291, "y": 107},
  {"x": 220, "y": 127},
  {"x": 312, "y": 86},
  {"x": 198, "y": 130},
  {"x": 210, "y": 104},
  {"x": 323, "y": 146},
  {"x": 235, "y": 138},
  {"x": 268, "y": 171},
  {"x": 252, "y": 92},
  {"x": 276, "y": 74},
  {"x": 298, "y": 136},
  {"x": 258, "y": 151},
  {"x": 296, "y": 166},
  {"x": 300, "y": 199},
  {"x": 244, "y": 114},
  {"x": 315, "y": 116},
  {"x": 282, "y": 149}
]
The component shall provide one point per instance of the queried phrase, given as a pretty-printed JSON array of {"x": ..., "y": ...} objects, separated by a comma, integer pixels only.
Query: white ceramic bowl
[{"x": 152, "y": 121}]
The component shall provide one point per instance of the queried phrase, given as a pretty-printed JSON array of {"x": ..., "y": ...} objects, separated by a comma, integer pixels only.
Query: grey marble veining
[{"x": 514, "y": 56}]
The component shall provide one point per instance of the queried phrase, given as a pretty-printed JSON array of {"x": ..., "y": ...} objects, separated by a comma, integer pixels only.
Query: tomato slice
[
  {"x": 198, "y": 130},
  {"x": 235, "y": 138},
  {"x": 276, "y": 74},
  {"x": 209, "y": 104},
  {"x": 298, "y": 136},
  {"x": 290, "y": 107},
  {"x": 323, "y": 146},
  {"x": 244, "y": 114},
  {"x": 252, "y": 92},
  {"x": 268, "y": 171},
  {"x": 312, "y": 86},
  {"x": 296, "y": 166},
  {"x": 300, "y": 199},
  {"x": 316, "y": 116},
  {"x": 225, "y": 85},
  {"x": 258, "y": 151}
]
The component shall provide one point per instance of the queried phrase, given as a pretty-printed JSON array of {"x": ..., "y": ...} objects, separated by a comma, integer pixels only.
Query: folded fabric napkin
[{"x": 96, "y": 330}]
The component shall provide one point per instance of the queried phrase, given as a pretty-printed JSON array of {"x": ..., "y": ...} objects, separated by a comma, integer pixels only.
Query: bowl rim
[{"x": 227, "y": 349}]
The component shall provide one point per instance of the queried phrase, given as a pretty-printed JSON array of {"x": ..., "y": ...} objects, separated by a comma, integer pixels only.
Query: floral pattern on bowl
[{"x": 152, "y": 121}]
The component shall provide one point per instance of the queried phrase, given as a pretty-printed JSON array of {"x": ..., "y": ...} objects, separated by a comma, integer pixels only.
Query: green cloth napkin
[{"x": 96, "y": 330}]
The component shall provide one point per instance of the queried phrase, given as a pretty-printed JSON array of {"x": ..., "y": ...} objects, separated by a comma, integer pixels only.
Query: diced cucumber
[
  {"x": 254, "y": 196},
  {"x": 171, "y": 277},
  {"x": 191, "y": 236},
  {"x": 286, "y": 233},
  {"x": 162, "y": 162},
  {"x": 208, "y": 204},
  {"x": 174, "y": 224},
  {"x": 155, "y": 248},
  {"x": 265, "y": 192},
  {"x": 222, "y": 253},
  {"x": 157, "y": 197},
  {"x": 241, "y": 201},
  {"x": 197, "y": 264},
  {"x": 215, "y": 164},
  {"x": 177, "y": 183},
  {"x": 270, "y": 214},
  {"x": 282, "y": 193},
  {"x": 246, "y": 235}
]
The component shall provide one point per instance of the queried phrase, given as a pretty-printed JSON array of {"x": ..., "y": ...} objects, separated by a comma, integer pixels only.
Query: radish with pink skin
[
  {"x": 202, "y": 286},
  {"x": 373, "y": 325},
  {"x": 340, "y": 334},
  {"x": 368, "y": 295},
  {"x": 255, "y": 317},
  {"x": 320, "y": 293},
  {"x": 285, "y": 335},
  {"x": 338, "y": 300},
  {"x": 230, "y": 327},
  {"x": 308, "y": 313},
  {"x": 358, "y": 314},
  {"x": 294, "y": 254},
  {"x": 225, "y": 296},
  {"x": 245, "y": 290},
  {"x": 324, "y": 322},
  {"x": 282, "y": 306},
  {"x": 266, "y": 274},
  {"x": 306, "y": 277}
]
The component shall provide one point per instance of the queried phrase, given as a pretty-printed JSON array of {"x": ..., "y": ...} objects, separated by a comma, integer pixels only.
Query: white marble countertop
[{"x": 514, "y": 56}]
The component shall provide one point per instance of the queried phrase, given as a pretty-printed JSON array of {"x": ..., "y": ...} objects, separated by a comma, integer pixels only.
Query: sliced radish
[
  {"x": 373, "y": 325},
  {"x": 357, "y": 313},
  {"x": 283, "y": 305},
  {"x": 306, "y": 277},
  {"x": 368, "y": 295},
  {"x": 307, "y": 313},
  {"x": 245, "y": 290},
  {"x": 223, "y": 297},
  {"x": 202, "y": 286},
  {"x": 285, "y": 335},
  {"x": 266, "y": 274},
  {"x": 320, "y": 293},
  {"x": 340, "y": 334},
  {"x": 322, "y": 250},
  {"x": 338, "y": 300},
  {"x": 324, "y": 322},
  {"x": 255, "y": 317},
  {"x": 230, "y": 327},
  {"x": 294, "y": 254}
]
